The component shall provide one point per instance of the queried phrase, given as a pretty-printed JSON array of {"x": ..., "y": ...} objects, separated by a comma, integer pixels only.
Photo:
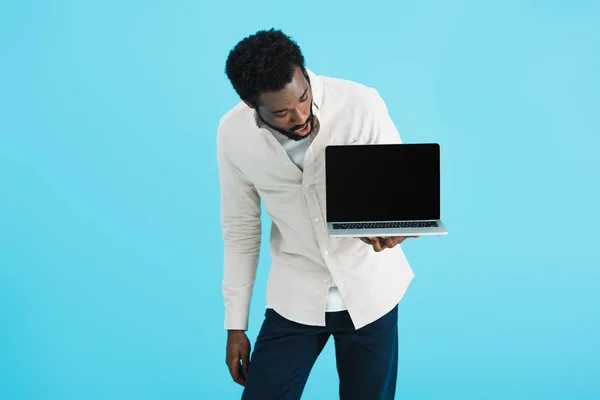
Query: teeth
[{"x": 304, "y": 129}]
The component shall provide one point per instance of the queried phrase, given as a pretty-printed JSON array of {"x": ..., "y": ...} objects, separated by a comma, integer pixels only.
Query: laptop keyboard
[{"x": 385, "y": 225}]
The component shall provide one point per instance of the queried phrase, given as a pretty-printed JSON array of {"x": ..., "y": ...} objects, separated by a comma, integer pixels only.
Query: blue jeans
[{"x": 285, "y": 352}]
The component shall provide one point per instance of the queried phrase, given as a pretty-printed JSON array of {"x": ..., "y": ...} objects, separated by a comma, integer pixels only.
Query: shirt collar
[{"x": 317, "y": 92}]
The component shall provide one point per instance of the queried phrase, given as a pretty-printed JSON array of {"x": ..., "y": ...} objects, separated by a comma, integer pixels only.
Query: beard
[{"x": 291, "y": 133}]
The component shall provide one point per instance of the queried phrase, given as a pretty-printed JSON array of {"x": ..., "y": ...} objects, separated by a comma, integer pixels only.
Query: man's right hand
[{"x": 238, "y": 350}]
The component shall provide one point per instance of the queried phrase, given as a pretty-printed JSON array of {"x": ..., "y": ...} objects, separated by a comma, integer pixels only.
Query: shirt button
[
  {"x": 326, "y": 280},
  {"x": 317, "y": 219},
  {"x": 326, "y": 253}
]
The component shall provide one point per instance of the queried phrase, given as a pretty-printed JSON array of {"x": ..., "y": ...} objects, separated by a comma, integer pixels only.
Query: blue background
[{"x": 110, "y": 247}]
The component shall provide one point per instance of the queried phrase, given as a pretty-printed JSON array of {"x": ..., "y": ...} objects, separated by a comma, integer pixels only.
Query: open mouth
[{"x": 304, "y": 130}]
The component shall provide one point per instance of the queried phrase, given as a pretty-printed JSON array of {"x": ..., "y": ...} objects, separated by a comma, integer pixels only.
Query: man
[{"x": 271, "y": 149}]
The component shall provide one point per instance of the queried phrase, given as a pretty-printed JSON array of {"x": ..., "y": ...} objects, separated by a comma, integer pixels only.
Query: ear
[{"x": 249, "y": 104}]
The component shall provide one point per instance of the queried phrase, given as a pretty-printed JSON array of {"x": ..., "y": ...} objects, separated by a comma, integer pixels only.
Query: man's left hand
[{"x": 381, "y": 243}]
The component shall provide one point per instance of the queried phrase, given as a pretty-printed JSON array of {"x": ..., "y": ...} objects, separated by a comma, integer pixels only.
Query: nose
[{"x": 300, "y": 116}]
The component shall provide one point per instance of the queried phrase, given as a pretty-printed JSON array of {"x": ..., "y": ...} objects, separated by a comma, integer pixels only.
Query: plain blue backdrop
[{"x": 110, "y": 247}]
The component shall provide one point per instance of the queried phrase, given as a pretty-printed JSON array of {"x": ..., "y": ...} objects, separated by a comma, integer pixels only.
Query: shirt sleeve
[
  {"x": 383, "y": 129},
  {"x": 241, "y": 232}
]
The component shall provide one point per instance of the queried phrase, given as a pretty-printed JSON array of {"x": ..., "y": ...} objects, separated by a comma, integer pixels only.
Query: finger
[
  {"x": 245, "y": 364},
  {"x": 385, "y": 242},
  {"x": 377, "y": 245},
  {"x": 242, "y": 379},
  {"x": 407, "y": 237},
  {"x": 391, "y": 242},
  {"x": 234, "y": 368},
  {"x": 403, "y": 238},
  {"x": 366, "y": 240}
]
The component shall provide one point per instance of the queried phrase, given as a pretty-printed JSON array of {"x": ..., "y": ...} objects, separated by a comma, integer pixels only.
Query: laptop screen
[{"x": 396, "y": 182}]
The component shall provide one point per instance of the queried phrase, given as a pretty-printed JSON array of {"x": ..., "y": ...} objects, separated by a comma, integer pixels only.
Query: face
[{"x": 289, "y": 111}]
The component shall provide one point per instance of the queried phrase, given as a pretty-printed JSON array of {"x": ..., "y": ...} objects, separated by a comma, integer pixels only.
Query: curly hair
[{"x": 263, "y": 62}]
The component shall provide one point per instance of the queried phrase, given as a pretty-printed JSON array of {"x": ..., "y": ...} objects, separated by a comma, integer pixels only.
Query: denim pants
[{"x": 285, "y": 352}]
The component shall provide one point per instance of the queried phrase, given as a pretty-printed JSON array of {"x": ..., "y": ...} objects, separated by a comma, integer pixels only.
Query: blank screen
[{"x": 382, "y": 182}]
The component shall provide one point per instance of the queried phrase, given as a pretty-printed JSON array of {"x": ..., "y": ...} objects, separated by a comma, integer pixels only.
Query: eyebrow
[{"x": 285, "y": 109}]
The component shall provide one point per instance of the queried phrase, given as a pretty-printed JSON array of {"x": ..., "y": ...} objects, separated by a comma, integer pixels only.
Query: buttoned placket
[
  {"x": 310, "y": 196},
  {"x": 319, "y": 224}
]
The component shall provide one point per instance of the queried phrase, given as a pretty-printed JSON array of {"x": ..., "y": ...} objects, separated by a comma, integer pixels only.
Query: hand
[
  {"x": 238, "y": 349},
  {"x": 381, "y": 243}
]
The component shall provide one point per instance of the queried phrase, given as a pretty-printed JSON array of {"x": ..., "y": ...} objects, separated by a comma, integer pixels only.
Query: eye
[
  {"x": 304, "y": 99},
  {"x": 281, "y": 115}
]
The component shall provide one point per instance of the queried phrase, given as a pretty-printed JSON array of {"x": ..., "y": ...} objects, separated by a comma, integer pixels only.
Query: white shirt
[
  {"x": 296, "y": 151},
  {"x": 254, "y": 167}
]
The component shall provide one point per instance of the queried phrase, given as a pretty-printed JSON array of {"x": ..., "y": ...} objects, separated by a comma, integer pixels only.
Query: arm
[{"x": 241, "y": 230}]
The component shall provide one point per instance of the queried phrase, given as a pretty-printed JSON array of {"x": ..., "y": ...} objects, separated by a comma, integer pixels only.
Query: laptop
[{"x": 379, "y": 190}]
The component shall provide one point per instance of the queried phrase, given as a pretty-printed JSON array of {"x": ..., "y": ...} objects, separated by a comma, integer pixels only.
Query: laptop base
[{"x": 386, "y": 232}]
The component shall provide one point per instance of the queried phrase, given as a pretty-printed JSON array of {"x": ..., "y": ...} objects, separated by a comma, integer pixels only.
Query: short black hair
[{"x": 263, "y": 62}]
